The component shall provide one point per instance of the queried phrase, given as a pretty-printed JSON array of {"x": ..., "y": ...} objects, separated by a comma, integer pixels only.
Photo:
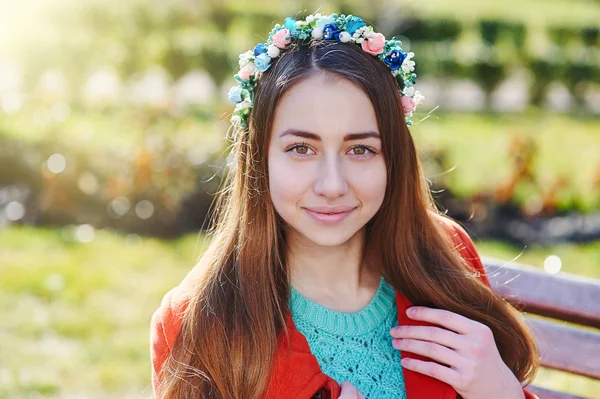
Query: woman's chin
[{"x": 327, "y": 237}]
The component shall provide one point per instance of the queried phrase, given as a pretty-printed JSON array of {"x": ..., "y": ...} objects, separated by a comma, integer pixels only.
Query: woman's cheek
[
  {"x": 369, "y": 179},
  {"x": 288, "y": 181}
]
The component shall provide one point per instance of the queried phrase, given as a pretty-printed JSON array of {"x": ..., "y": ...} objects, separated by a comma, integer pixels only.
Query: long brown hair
[{"x": 227, "y": 340}]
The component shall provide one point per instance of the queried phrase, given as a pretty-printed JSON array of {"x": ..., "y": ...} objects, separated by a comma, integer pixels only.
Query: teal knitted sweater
[{"x": 355, "y": 346}]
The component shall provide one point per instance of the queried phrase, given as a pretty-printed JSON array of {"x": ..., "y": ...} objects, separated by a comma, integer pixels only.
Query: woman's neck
[{"x": 335, "y": 277}]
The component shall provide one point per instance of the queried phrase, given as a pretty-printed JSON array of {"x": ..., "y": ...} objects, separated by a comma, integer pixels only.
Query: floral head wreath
[{"x": 341, "y": 28}]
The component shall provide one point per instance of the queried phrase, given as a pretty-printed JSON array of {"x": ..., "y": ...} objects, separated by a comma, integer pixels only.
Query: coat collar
[{"x": 297, "y": 374}]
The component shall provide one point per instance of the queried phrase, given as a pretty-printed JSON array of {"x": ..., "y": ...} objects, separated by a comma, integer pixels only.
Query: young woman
[{"x": 331, "y": 273}]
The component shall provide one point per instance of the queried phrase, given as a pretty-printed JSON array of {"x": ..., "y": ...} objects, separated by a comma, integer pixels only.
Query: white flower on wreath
[
  {"x": 317, "y": 33},
  {"x": 361, "y": 32},
  {"x": 245, "y": 58},
  {"x": 243, "y": 105},
  {"x": 273, "y": 51},
  {"x": 409, "y": 91},
  {"x": 418, "y": 97},
  {"x": 236, "y": 120},
  {"x": 408, "y": 65},
  {"x": 345, "y": 37},
  {"x": 310, "y": 18}
]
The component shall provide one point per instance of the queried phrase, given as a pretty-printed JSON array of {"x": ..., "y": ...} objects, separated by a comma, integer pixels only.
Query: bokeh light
[
  {"x": 56, "y": 163},
  {"x": 552, "y": 264},
  {"x": 14, "y": 211}
]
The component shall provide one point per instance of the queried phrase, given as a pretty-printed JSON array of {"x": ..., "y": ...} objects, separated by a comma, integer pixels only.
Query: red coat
[{"x": 297, "y": 375}]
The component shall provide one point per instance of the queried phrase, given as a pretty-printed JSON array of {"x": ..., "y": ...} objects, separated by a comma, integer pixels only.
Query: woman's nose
[{"x": 331, "y": 180}]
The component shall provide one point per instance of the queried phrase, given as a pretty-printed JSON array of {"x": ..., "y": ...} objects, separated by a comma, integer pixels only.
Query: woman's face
[{"x": 327, "y": 175}]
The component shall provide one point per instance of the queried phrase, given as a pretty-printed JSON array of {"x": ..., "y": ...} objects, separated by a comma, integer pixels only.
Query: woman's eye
[
  {"x": 301, "y": 149},
  {"x": 362, "y": 150},
  {"x": 359, "y": 150}
]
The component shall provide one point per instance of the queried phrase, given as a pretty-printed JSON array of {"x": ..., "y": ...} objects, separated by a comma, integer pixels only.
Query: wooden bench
[{"x": 574, "y": 348}]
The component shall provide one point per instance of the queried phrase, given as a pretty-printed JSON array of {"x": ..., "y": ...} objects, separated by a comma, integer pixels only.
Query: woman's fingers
[
  {"x": 445, "y": 318},
  {"x": 431, "y": 350},
  {"x": 464, "y": 353},
  {"x": 432, "y": 334},
  {"x": 445, "y": 374},
  {"x": 349, "y": 391}
]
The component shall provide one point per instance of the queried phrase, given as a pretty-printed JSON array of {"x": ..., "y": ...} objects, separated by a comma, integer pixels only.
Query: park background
[{"x": 112, "y": 122}]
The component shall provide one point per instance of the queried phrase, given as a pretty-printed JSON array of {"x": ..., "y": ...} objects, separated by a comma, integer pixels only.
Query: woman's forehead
[{"x": 326, "y": 107}]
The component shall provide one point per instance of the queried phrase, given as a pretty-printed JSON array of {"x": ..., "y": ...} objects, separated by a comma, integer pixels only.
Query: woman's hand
[
  {"x": 465, "y": 351},
  {"x": 349, "y": 391}
]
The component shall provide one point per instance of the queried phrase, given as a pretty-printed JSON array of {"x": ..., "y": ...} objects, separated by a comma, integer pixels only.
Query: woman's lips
[{"x": 329, "y": 217}]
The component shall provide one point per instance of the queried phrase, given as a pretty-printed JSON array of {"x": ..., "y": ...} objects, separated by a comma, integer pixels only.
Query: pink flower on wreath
[
  {"x": 247, "y": 71},
  {"x": 374, "y": 44},
  {"x": 281, "y": 38},
  {"x": 408, "y": 104}
]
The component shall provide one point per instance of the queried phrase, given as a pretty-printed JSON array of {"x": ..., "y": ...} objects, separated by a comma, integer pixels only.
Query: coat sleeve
[
  {"x": 159, "y": 349},
  {"x": 469, "y": 253},
  {"x": 164, "y": 327}
]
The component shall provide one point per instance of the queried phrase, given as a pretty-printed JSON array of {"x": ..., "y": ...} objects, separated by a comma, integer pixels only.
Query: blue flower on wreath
[
  {"x": 354, "y": 23},
  {"x": 290, "y": 23},
  {"x": 394, "y": 59},
  {"x": 260, "y": 48},
  {"x": 331, "y": 32},
  {"x": 235, "y": 94},
  {"x": 262, "y": 62},
  {"x": 324, "y": 21}
]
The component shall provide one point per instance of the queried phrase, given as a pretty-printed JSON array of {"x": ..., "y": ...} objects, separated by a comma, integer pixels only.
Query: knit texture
[{"x": 355, "y": 346}]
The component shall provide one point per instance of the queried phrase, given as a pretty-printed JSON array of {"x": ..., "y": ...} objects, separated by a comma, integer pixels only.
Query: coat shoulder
[
  {"x": 166, "y": 322},
  {"x": 463, "y": 244}
]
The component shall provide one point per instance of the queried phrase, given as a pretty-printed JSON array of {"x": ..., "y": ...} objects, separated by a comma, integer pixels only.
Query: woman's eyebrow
[{"x": 316, "y": 137}]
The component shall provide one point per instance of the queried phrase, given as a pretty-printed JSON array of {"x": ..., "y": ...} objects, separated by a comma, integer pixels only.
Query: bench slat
[
  {"x": 544, "y": 393},
  {"x": 563, "y": 296},
  {"x": 567, "y": 348}
]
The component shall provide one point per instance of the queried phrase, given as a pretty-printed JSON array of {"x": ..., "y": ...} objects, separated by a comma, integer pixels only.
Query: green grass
[
  {"x": 556, "y": 12},
  {"x": 118, "y": 129},
  {"x": 582, "y": 259},
  {"x": 530, "y": 12},
  {"x": 479, "y": 148},
  {"x": 75, "y": 317}
]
